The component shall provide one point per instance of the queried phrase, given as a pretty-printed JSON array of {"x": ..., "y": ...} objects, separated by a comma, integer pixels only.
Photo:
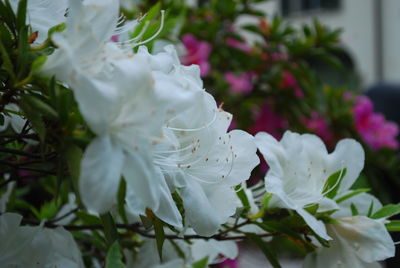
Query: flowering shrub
[{"x": 115, "y": 156}]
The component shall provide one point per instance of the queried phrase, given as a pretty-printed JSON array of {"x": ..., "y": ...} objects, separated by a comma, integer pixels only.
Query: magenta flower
[
  {"x": 239, "y": 83},
  {"x": 372, "y": 127},
  {"x": 229, "y": 263},
  {"x": 318, "y": 124},
  {"x": 238, "y": 45},
  {"x": 197, "y": 53},
  {"x": 289, "y": 81},
  {"x": 269, "y": 121}
]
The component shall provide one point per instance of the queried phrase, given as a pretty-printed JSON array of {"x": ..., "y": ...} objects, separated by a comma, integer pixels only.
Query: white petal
[
  {"x": 146, "y": 188},
  {"x": 317, "y": 226},
  {"x": 348, "y": 154},
  {"x": 205, "y": 211},
  {"x": 327, "y": 204},
  {"x": 368, "y": 238},
  {"x": 213, "y": 249},
  {"x": 100, "y": 174}
]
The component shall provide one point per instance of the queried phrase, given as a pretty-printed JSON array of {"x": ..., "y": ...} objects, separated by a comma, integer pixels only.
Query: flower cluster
[
  {"x": 372, "y": 127},
  {"x": 134, "y": 158}
]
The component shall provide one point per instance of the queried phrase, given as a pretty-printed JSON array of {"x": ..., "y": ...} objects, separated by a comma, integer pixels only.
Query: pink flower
[
  {"x": 229, "y": 263},
  {"x": 372, "y": 127},
  {"x": 239, "y": 83},
  {"x": 197, "y": 53},
  {"x": 318, "y": 124},
  {"x": 269, "y": 121},
  {"x": 238, "y": 45},
  {"x": 289, "y": 81}
]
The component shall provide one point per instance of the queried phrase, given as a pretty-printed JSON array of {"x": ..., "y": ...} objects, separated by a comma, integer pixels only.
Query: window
[{"x": 290, "y": 7}]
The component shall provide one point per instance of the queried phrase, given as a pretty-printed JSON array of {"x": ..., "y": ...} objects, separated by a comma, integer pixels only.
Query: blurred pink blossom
[
  {"x": 240, "y": 83},
  {"x": 197, "y": 53},
  {"x": 372, "y": 127},
  {"x": 229, "y": 263},
  {"x": 238, "y": 45},
  {"x": 318, "y": 124},
  {"x": 269, "y": 121},
  {"x": 289, "y": 81}
]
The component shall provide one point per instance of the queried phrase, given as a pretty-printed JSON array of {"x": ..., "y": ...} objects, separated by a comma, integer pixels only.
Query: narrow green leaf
[
  {"x": 38, "y": 63},
  {"x": 88, "y": 218},
  {"x": 312, "y": 209},
  {"x": 393, "y": 226},
  {"x": 268, "y": 252},
  {"x": 73, "y": 156},
  {"x": 160, "y": 236},
  {"x": 7, "y": 64},
  {"x": 203, "y": 263},
  {"x": 351, "y": 194},
  {"x": 333, "y": 183},
  {"x": 354, "y": 210},
  {"x": 121, "y": 200},
  {"x": 110, "y": 230},
  {"x": 114, "y": 257},
  {"x": 21, "y": 14},
  {"x": 387, "y": 211},
  {"x": 370, "y": 209},
  {"x": 40, "y": 106},
  {"x": 34, "y": 118},
  {"x": 265, "y": 201},
  {"x": 243, "y": 197}
]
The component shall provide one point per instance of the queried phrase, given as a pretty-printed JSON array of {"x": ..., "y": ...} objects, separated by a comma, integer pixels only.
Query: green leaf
[
  {"x": 88, "y": 218},
  {"x": 73, "y": 156},
  {"x": 243, "y": 198},
  {"x": 312, "y": 209},
  {"x": 370, "y": 209},
  {"x": 160, "y": 236},
  {"x": 387, "y": 211},
  {"x": 21, "y": 14},
  {"x": 333, "y": 183},
  {"x": 121, "y": 200},
  {"x": 351, "y": 194},
  {"x": 354, "y": 210},
  {"x": 203, "y": 263},
  {"x": 7, "y": 64},
  {"x": 268, "y": 252},
  {"x": 393, "y": 226},
  {"x": 265, "y": 201},
  {"x": 110, "y": 230},
  {"x": 48, "y": 210},
  {"x": 34, "y": 118},
  {"x": 38, "y": 63},
  {"x": 114, "y": 257},
  {"x": 39, "y": 106}
]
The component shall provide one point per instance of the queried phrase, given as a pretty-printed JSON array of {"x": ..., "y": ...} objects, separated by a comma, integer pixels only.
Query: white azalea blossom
[
  {"x": 24, "y": 246},
  {"x": 299, "y": 168},
  {"x": 216, "y": 251},
  {"x": 42, "y": 15},
  {"x": 358, "y": 241}
]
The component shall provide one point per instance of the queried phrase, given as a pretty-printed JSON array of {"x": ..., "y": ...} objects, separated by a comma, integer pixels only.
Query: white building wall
[{"x": 391, "y": 40}]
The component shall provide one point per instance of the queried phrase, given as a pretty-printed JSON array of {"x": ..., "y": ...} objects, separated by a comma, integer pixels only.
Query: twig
[{"x": 136, "y": 228}]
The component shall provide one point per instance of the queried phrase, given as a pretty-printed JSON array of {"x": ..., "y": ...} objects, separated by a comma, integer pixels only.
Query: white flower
[
  {"x": 126, "y": 124},
  {"x": 24, "y": 246},
  {"x": 299, "y": 168},
  {"x": 84, "y": 47},
  {"x": 42, "y": 15},
  {"x": 197, "y": 249},
  {"x": 358, "y": 241},
  {"x": 13, "y": 118},
  {"x": 205, "y": 162}
]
